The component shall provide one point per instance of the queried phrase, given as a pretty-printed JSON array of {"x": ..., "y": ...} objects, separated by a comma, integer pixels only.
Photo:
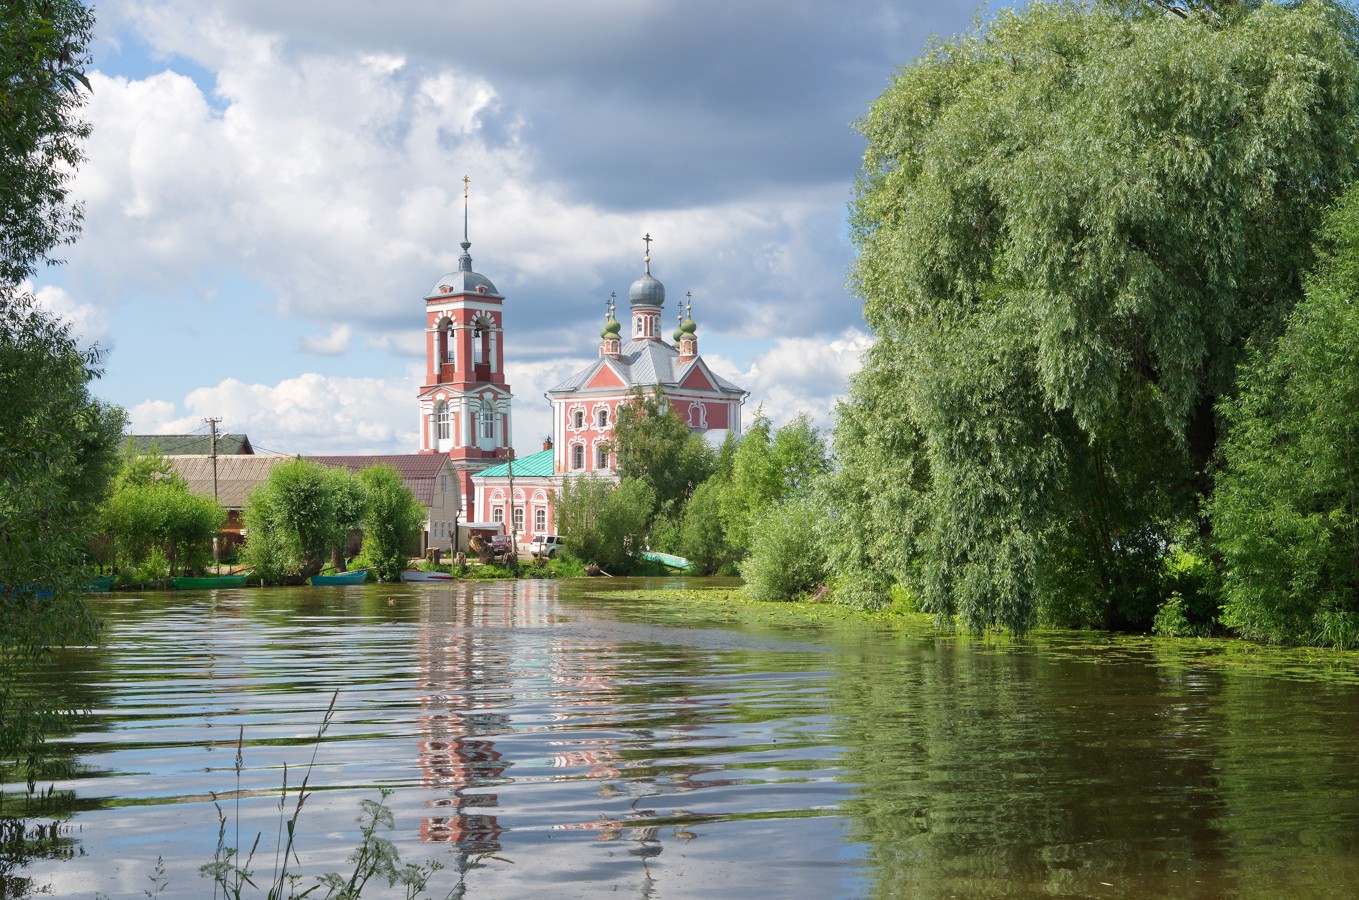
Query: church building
[{"x": 465, "y": 405}]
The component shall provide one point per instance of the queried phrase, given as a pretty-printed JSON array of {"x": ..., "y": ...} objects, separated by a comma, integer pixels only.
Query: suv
[{"x": 546, "y": 545}]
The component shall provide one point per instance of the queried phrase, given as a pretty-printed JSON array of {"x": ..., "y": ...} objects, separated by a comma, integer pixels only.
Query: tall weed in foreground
[{"x": 233, "y": 876}]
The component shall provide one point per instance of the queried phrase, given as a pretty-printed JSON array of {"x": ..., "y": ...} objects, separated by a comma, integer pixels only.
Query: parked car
[{"x": 546, "y": 545}]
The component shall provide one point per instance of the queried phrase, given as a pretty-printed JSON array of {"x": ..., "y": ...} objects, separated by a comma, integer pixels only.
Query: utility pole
[{"x": 216, "y": 546}]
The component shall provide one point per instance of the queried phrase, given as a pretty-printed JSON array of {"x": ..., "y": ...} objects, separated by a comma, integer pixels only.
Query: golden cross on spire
[{"x": 465, "y": 182}]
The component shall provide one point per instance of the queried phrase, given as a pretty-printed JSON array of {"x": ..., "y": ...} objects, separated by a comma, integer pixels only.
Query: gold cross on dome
[{"x": 465, "y": 182}]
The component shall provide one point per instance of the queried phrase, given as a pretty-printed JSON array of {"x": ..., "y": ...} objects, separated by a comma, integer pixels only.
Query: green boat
[
  {"x": 358, "y": 576},
  {"x": 100, "y": 585},
  {"x": 210, "y": 581},
  {"x": 666, "y": 559}
]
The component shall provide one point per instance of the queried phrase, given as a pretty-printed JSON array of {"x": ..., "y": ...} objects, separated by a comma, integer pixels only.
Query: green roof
[
  {"x": 535, "y": 464},
  {"x": 190, "y": 444}
]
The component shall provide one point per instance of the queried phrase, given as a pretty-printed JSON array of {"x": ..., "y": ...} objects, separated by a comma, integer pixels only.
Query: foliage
[
  {"x": 43, "y": 54},
  {"x": 603, "y": 523},
  {"x": 786, "y": 560},
  {"x": 703, "y": 539},
  {"x": 1070, "y": 222},
  {"x": 393, "y": 521},
  {"x": 654, "y": 446},
  {"x": 768, "y": 466},
  {"x": 297, "y": 517},
  {"x": 152, "y": 508},
  {"x": 1286, "y": 510},
  {"x": 58, "y": 453}
]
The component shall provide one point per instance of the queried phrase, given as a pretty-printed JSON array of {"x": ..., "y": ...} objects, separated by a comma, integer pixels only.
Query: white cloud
[
  {"x": 311, "y": 413},
  {"x": 799, "y": 375},
  {"x": 333, "y": 344},
  {"x": 89, "y": 323}
]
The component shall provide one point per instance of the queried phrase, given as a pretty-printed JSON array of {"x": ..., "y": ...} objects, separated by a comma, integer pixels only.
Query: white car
[{"x": 546, "y": 545}]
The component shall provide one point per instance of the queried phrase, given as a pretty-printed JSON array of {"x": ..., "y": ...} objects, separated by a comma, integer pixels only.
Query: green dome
[
  {"x": 679, "y": 333},
  {"x": 612, "y": 328},
  {"x": 688, "y": 326}
]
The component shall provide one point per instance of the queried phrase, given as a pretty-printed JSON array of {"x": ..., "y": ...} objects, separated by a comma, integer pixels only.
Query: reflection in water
[{"x": 539, "y": 741}]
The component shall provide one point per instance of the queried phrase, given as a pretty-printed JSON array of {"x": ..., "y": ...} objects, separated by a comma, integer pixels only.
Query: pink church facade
[{"x": 585, "y": 407}]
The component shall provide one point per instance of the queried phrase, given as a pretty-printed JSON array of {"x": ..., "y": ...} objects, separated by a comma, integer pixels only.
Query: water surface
[{"x": 543, "y": 739}]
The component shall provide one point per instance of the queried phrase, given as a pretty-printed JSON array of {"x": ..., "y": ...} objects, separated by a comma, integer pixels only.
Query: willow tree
[
  {"x": 1286, "y": 508},
  {"x": 1069, "y": 223}
]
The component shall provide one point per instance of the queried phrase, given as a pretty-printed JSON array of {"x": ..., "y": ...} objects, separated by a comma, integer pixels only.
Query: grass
[{"x": 234, "y": 875}]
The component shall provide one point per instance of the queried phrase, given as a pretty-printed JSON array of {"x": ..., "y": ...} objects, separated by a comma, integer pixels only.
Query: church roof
[
  {"x": 531, "y": 466},
  {"x": 643, "y": 363}
]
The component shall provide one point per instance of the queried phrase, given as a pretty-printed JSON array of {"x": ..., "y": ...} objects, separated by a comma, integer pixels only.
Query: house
[{"x": 230, "y": 479}]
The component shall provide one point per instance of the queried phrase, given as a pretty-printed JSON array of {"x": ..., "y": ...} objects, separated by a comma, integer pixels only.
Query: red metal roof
[{"x": 417, "y": 470}]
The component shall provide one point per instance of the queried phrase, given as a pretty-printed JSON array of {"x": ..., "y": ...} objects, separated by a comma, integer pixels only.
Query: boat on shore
[
  {"x": 100, "y": 585},
  {"x": 205, "y": 582},
  {"x": 416, "y": 576},
  {"x": 358, "y": 576},
  {"x": 666, "y": 559}
]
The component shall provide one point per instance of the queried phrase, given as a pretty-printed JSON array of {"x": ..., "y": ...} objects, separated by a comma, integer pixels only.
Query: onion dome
[
  {"x": 688, "y": 326},
  {"x": 612, "y": 328},
  {"x": 647, "y": 291}
]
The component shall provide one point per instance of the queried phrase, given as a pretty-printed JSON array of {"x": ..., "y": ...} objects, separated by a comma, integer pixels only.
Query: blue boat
[{"x": 358, "y": 576}]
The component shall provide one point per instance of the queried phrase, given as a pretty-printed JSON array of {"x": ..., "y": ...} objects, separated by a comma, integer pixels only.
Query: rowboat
[
  {"x": 358, "y": 576},
  {"x": 411, "y": 575},
  {"x": 100, "y": 585},
  {"x": 666, "y": 559},
  {"x": 210, "y": 581}
]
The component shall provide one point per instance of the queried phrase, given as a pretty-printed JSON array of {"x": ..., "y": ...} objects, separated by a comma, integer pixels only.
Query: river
[{"x": 566, "y": 739}]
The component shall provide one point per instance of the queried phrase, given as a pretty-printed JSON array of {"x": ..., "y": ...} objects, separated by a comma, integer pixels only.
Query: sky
[{"x": 272, "y": 188}]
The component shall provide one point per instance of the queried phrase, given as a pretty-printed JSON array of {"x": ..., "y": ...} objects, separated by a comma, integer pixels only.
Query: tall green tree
[
  {"x": 151, "y": 510},
  {"x": 43, "y": 53},
  {"x": 653, "y": 445},
  {"x": 58, "y": 453},
  {"x": 602, "y": 522},
  {"x": 1286, "y": 509},
  {"x": 298, "y": 517},
  {"x": 769, "y": 465},
  {"x": 392, "y": 522},
  {"x": 1070, "y": 222}
]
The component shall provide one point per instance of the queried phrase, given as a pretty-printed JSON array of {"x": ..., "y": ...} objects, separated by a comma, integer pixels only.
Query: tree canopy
[
  {"x": 43, "y": 53},
  {"x": 1286, "y": 509},
  {"x": 1070, "y": 223}
]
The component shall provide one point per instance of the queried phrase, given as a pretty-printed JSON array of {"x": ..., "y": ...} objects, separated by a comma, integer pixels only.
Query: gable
[
  {"x": 605, "y": 378},
  {"x": 697, "y": 379}
]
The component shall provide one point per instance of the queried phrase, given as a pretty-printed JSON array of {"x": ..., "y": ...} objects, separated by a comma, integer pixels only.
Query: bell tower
[{"x": 465, "y": 402}]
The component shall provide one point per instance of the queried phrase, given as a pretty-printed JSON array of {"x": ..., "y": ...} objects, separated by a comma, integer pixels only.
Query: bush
[{"x": 786, "y": 560}]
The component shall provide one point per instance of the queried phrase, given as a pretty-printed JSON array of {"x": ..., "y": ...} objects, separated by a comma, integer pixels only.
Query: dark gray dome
[{"x": 646, "y": 291}]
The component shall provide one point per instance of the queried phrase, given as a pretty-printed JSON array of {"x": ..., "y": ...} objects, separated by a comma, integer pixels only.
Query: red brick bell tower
[{"x": 465, "y": 402}]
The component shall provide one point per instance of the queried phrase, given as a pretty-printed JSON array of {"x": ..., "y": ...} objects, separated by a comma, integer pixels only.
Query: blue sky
[{"x": 272, "y": 187}]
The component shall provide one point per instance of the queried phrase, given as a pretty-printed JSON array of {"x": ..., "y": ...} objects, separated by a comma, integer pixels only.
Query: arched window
[
  {"x": 578, "y": 419},
  {"x": 498, "y": 514},
  {"x": 540, "y": 519},
  {"x": 441, "y": 420},
  {"x": 519, "y": 518},
  {"x": 450, "y": 343},
  {"x": 487, "y": 419},
  {"x": 478, "y": 352},
  {"x": 698, "y": 415},
  {"x": 602, "y": 417},
  {"x": 577, "y": 457},
  {"x": 602, "y": 456}
]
